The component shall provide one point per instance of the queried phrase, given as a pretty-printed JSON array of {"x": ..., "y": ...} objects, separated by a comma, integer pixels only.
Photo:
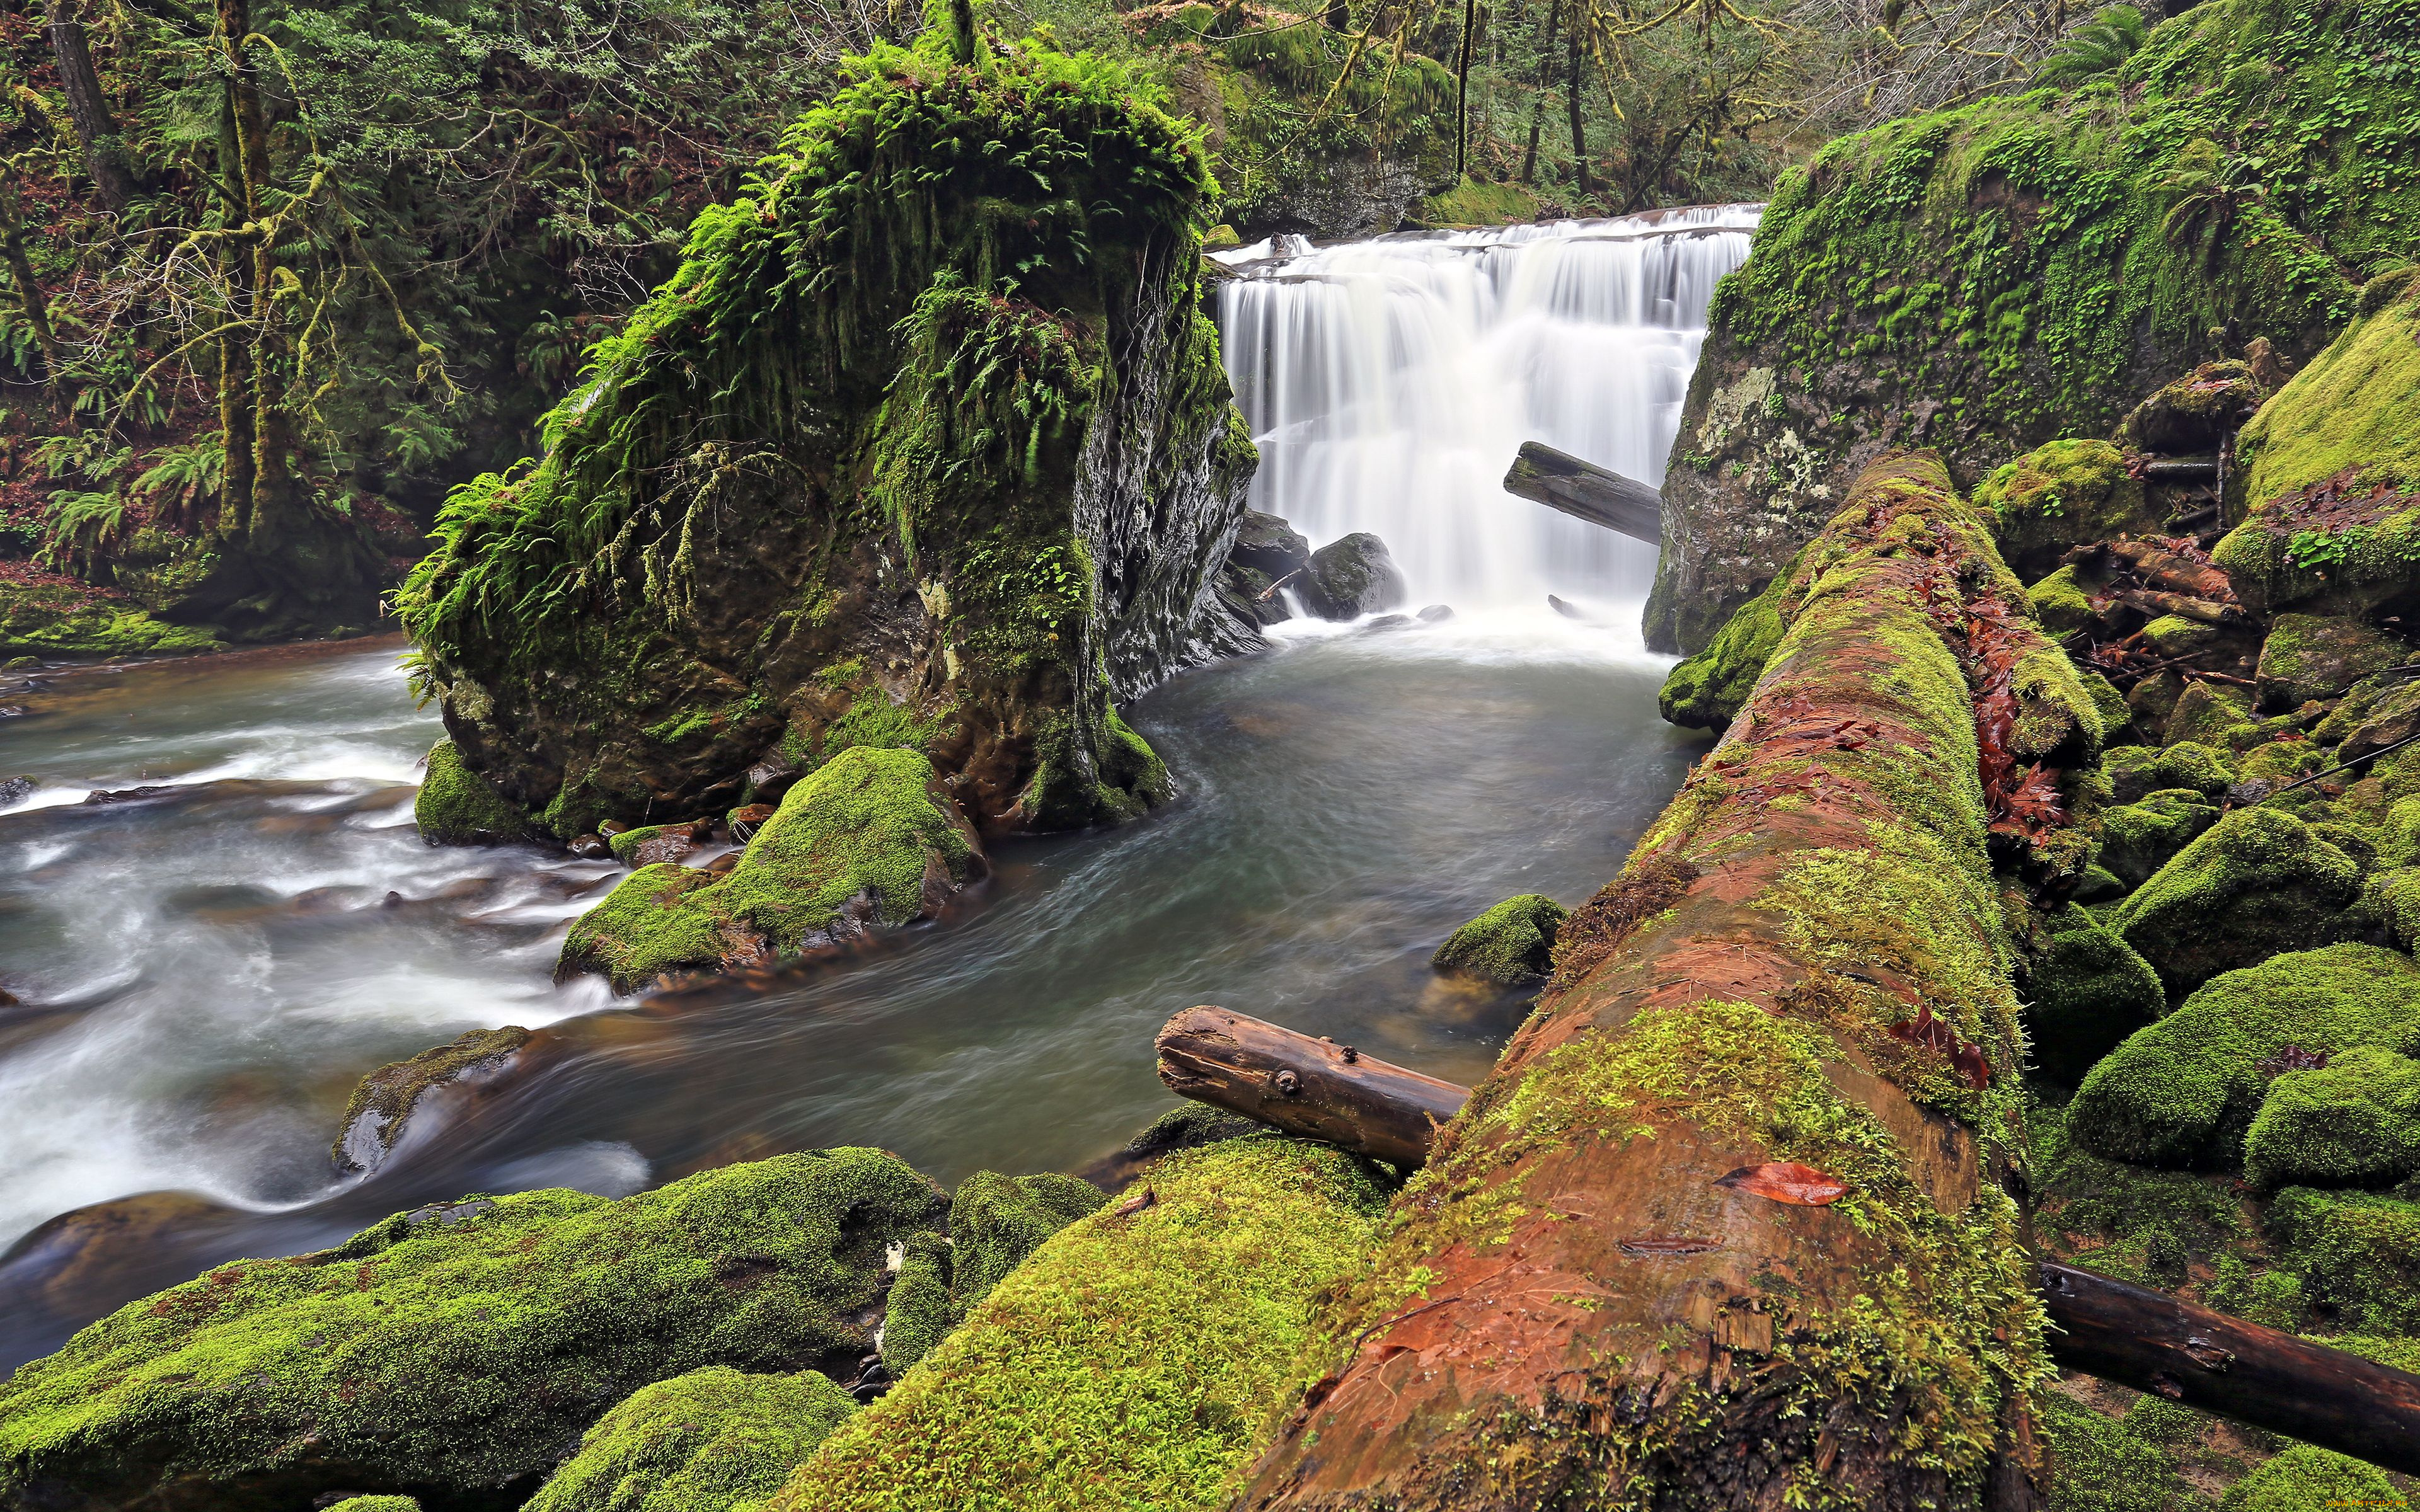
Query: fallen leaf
[
  {"x": 1135, "y": 1204},
  {"x": 1788, "y": 1181}
]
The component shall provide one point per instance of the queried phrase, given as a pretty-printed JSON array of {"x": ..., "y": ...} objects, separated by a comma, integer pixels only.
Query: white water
[{"x": 1391, "y": 382}]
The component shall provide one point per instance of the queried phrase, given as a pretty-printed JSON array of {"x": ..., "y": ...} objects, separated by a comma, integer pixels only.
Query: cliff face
[
  {"x": 926, "y": 445},
  {"x": 1983, "y": 280}
]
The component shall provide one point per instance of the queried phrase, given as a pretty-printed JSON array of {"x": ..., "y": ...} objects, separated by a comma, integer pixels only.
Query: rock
[
  {"x": 1220, "y": 238},
  {"x": 457, "y": 1349},
  {"x": 2306, "y": 1476},
  {"x": 745, "y": 820},
  {"x": 2063, "y": 601},
  {"x": 1349, "y": 578},
  {"x": 2100, "y": 1465},
  {"x": 2196, "y": 414},
  {"x": 1144, "y": 1344},
  {"x": 456, "y": 805},
  {"x": 2255, "y": 884},
  {"x": 1511, "y": 944},
  {"x": 1385, "y": 622},
  {"x": 2311, "y": 657},
  {"x": 714, "y": 1438},
  {"x": 2100, "y": 885},
  {"x": 2086, "y": 992},
  {"x": 2182, "y": 1093},
  {"x": 384, "y": 1101},
  {"x": 655, "y": 843},
  {"x": 2354, "y": 1121},
  {"x": 867, "y": 841},
  {"x": 2358, "y": 1254},
  {"x": 765, "y": 781},
  {"x": 590, "y": 847},
  {"x": 2137, "y": 839},
  {"x": 1708, "y": 691},
  {"x": 2392, "y": 719},
  {"x": 1436, "y": 615},
  {"x": 2153, "y": 699},
  {"x": 1270, "y": 547},
  {"x": 2135, "y": 771},
  {"x": 21, "y": 664},
  {"x": 995, "y": 1223},
  {"x": 2059, "y": 495}
]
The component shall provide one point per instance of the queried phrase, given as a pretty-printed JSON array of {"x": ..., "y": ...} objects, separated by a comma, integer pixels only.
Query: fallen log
[
  {"x": 2175, "y": 571},
  {"x": 2147, "y": 1340},
  {"x": 1586, "y": 491},
  {"x": 1721, "y": 1229},
  {"x": 2155, "y": 603},
  {"x": 2182, "y": 469}
]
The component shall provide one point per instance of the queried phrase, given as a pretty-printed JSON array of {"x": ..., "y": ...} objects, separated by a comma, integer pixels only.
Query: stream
[{"x": 216, "y": 916}]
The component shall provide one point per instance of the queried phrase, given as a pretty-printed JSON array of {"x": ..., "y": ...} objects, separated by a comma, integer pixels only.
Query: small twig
[{"x": 2340, "y": 766}]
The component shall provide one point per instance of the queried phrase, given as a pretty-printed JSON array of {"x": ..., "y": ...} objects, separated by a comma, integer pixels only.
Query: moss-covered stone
[
  {"x": 455, "y": 1349},
  {"x": 2099, "y": 1464},
  {"x": 2062, "y": 494},
  {"x": 2206, "y": 713},
  {"x": 716, "y": 1440},
  {"x": 376, "y": 1503},
  {"x": 2196, "y": 414},
  {"x": 2358, "y": 1254},
  {"x": 2137, "y": 839},
  {"x": 74, "y": 619},
  {"x": 2308, "y": 1476},
  {"x": 995, "y": 1222},
  {"x": 1127, "y": 1363},
  {"x": 455, "y": 806},
  {"x": 2253, "y": 885},
  {"x": 1707, "y": 690},
  {"x": 867, "y": 840},
  {"x": 2086, "y": 992},
  {"x": 2352, "y": 1122},
  {"x": 2182, "y": 1093},
  {"x": 1511, "y": 944},
  {"x": 2136, "y": 771},
  {"x": 2062, "y": 602},
  {"x": 1350, "y": 576},
  {"x": 2321, "y": 657},
  {"x": 919, "y": 1313},
  {"x": 382, "y": 1104}
]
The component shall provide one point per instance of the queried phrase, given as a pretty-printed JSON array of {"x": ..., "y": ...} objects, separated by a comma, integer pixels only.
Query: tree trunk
[
  {"x": 1579, "y": 125},
  {"x": 235, "y": 450},
  {"x": 34, "y": 305},
  {"x": 1327, "y": 1091},
  {"x": 1723, "y": 1229},
  {"x": 1462, "y": 91},
  {"x": 96, "y": 127},
  {"x": 1538, "y": 106}
]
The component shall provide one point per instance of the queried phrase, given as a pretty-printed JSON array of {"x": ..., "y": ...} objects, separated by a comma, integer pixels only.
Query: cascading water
[{"x": 1391, "y": 382}]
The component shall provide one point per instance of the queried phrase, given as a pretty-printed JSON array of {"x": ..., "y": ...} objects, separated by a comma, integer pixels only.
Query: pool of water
[{"x": 205, "y": 968}]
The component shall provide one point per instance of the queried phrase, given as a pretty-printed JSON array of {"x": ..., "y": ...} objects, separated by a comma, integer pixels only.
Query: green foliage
[
  {"x": 458, "y": 1346},
  {"x": 455, "y": 806},
  {"x": 2095, "y": 50},
  {"x": 1708, "y": 691},
  {"x": 1510, "y": 944},
  {"x": 2099, "y": 1464},
  {"x": 2059, "y": 495},
  {"x": 712, "y": 1441},
  {"x": 2308, "y": 1476}
]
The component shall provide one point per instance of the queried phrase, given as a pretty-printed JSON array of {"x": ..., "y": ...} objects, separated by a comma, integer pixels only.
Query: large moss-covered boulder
[
  {"x": 716, "y": 1440},
  {"x": 455, "y": 806},
  {"x": 1511, "y": 944},
  {"x": 866, "y": 842},
  {"x": 2061, "y": 494},
  {"x": 2358, "y": 1254},
  {"x": 995, "y": 1222},
  {"x": 1873, "y": 317},
  {"x": 926, "y": 444},
  {"x": 2353, "y": 1121},
  {"x": 1350, "y": 576},
  {"x": 1708, "y": 691},
  {"x": 2137, "y": 771},
  {"x": 2205, "y": 714},
  {"x": 2086, "y": 992},
  {"x": 2321, "y": 657},
  {"x": 2137, "y": 839},
  {"x": 1130, "y": 1360},
  {"x": 2256, "y": 883},
  {"x": 2183, "y": 1091},
  {"x": 2328, "y": 473},
  {"x": 455, "y": 1350},
  {"x": 2306, "y": 1476},
  {"x": 2198, "y": 413}
]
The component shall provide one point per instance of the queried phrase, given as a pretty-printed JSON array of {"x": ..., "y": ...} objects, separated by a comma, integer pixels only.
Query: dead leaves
[{"x": 1972, "y": 1066}]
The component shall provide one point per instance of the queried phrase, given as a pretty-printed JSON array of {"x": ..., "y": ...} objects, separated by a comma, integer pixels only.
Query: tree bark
[
  {"x": 1538, "y": 106},
  {"x": 1722, "y": 1230},
  {"x": 2153, "y": 602},
  {"x": 1572, "y": 101},
  {"x": 96, "y": 127},
  {"x": 236, "y": 436},
  {"x": 1462, "y": 91},
  {"x": 30, "y": 298},
  {"x": 2177, "y": 573},
  {"x": 1310, "y": 1086},
  {"x": 1586, "y": 491}
]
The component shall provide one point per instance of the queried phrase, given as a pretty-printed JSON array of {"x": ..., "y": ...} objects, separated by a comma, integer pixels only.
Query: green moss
[
  {"x": 2135, "y": 771},
  {"x": 382, "y": 1104},
  {"x": 2137, "y": 839},
  {"x": 2352, "y": 1122},
  {"x": 712, "y": 1441},
  {"x": 461, "y": 1346},
  {"x": 2183, "y": 1091},
  {"x": 2110, "y": 1216},
  {"x": 2358, "y": 1254},
  {"x": 2314, "y": 657},
  {"x": 2059, "y": 495},
  {"x": 1510, "y": 944},
  {"x": 2087, "y": 992},
  {"x": 2253, "y": 885},
  {"x": 1477, "y": 202},
  {"x": 997, "y": 1221},
  {"x": 376, "y": 1503},
  {"x": 852, "y": 843},
  {"x": 455, "y": 806},
  {"x": 2205, "y": 714},
  {"x": 2062, "y": 602},
  {"x": 1708, "y": 691},
  {"x": 918, "y": 1313},
  {"x": 1128, "y": 1362},
  {"x": 2281, "y": 761},
  {"x": 71, "y": 619},
  {"x": 2099, "y": 1464},
  {"x": 2306, "y": 1476}
]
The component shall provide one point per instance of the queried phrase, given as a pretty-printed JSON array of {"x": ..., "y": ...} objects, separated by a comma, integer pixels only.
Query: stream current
[{"x": 217, "y": 915}]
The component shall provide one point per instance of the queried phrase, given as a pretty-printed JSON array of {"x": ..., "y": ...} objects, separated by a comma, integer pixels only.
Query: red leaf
[{"x": 1802, "y": 1186}]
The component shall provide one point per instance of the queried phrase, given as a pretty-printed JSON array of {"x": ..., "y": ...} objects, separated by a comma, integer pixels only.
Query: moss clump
[
  {"x": 458, "y": 807},
  {"x": 864, "y": 840},
  {"x": 459, "y": 1347},
  {"x": 1477, "y": 202},
  {"x": 2205, "y": 714},
  {"x": 2087, "y": 992},
  {"x": 995, "y": 1223},
  {"x": 376, "y": 1503},
  {"x": 2182, "y": 1093},
  {"x": 1511, "y": 944},
  {"x": 2253, "y": 885},
  {"x": 2137, "y": 839},
  {"x": 2308, "y": 1476},
  {"x": 2062, "y": 602},
  {"x": 2059, "y": 495},
  {"x": 2352, "y": 1122},
  {"x": 716, "y": 1440},
  {"x": 1708, "y": 691},
  {"x": 2101, "y": 1464},
  {"x": 1128, "y": 1362},
  {"x": 383, "y": 1102},
  {"x": 2358, "y": 1256},
  {"x": 2135, "y": 771},
  {"x": 72, "y": 619},
  {"x": 2320, "y": 657},
  {"x": 918, "y": 1313}
]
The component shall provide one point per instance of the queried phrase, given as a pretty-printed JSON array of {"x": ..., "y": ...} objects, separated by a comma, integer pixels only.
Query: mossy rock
[
  {"x": 455, "y": 806},
  {"x": 2116, "y": 714},
  {"x": 2062, "y": 602},
  {"x": 1350, "y": 576},
  {"x": 2136, "y": 771},
  {"x": 919, "y": 1313},
  {"x": 2195, "y": 414},
  {"x": 454, "y": 1352},
  {"x": 2181, "y": 1092},
  {"x": 74, "y": 619},
  {"x": 383, "y": 1102},
  {"x": 2253, "y": 885},
  {"x": 2204, "y": 713},
  {"x": 1708, "y": 691},
  {"x": 2137, "y": 839},
  {"x": 867, "y": 840},
  {"x": 716, "y": 1440},
  {"x": 2306, "y": 1476},
  {"x": 376, "y": 1503},
  {"x": 1511, "y": 944},
  {"x": 2309, "y": 656},
  {"x": 995, "y": 1222},
  {"x": 2099, "y": 1464},
  {"x": 2086, "y": 992},
  {"x": 2352, "y": 1122},
  {"x": 2358, "y": 1254},
  {"x": 1131, "y": 1361},
  {"x": 2059, "y": 495}
]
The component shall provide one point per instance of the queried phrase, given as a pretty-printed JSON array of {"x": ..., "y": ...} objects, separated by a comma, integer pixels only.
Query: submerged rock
[
  {"x": 384, "y": 1101},
  {"x": 1511, "y": 944},
  {"x": 716, "y": 1440},
  {"x": 867, "y": 841},
  {"x": 1351, "y": 576},
  {"x": 455, "y": 1350}
]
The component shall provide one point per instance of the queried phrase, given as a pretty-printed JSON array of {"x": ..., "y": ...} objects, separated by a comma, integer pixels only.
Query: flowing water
[{"x": 217, "y": 915}]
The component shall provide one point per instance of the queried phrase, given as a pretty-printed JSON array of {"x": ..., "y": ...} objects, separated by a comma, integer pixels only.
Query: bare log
[
  {"x": 1586, "y": 491},
  {"x": 1307, "y": 1086},
  {"x": 2156, "y": 603},
  {"x": 2147, "y": 1340},
  {"x": 2182, "y": 469},
  {"x": 2175, "y": 571}
]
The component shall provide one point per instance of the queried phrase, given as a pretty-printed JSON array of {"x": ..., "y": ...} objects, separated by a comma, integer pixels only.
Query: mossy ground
[
  {"x": 38, "y": 619},
  {"x": 715, "y": 1440}
]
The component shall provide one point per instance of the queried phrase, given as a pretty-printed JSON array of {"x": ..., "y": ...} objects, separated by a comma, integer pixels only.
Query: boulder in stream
[
  {"x": 1511, "y": 944},
  {"x": 386, "y": 1099},
  {"x": 1351, "y": 576}
]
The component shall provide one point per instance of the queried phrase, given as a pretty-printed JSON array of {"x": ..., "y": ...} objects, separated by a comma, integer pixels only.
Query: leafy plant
[
  {"x": 2095, "y": 50},
  {"x": 2214, "y": 191},
  {"x": 81, "y": 526}
]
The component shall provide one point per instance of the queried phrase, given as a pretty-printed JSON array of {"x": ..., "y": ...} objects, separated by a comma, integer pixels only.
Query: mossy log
[{"x": 1723, "y": 1229}]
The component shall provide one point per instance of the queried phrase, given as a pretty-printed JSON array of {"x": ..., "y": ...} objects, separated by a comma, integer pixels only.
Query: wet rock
[
  {"x": 103, "y": 797},
  {"x": 1511, "y": 944},
  {"x": 1388, "y": 622},
  {"x": 458, "y": 807},
  {"x": 2311, "y": 657},
  {"x": 16, "y": 789},
  {"x": 1708, "y": 691},
  {"x": 715, "y": 1437},
  {"x": 765, "y": 781},
  {"x": 1270, "y": 547},
  {"x": 746, "y": 820},
  {"x": 2394, "y": 717},
  {"x": 1347, "y": 578},
  {"x": 2196, "y": 414},
  {"x": 590, "y": 848},
  {"x": 652, "y": 843},
  {"x": 1436, "y": 615},
  {"x": 386, "y": 1099}
]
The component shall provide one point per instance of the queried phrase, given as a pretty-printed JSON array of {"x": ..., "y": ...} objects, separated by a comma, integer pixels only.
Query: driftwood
[
  {"x": 1586, "y": 491},
  {"x": 2182, "y": 469},
  {"x": 2173, "y": 571},
  {"x": 2155, "y": 603},
  {"x": 2147, "y": 1340}
]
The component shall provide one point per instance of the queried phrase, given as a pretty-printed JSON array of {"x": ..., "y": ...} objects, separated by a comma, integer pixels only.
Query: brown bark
[
  {"x": 1586, "y": 491},
  {"x": 1722, "y": 1231},
  {"x": 96, "y": 127},
  {"x": 1462, "y": 91},
  {"x": 2153, "y": 602},
  {"x": 1572, "y": 102},
  {"x": 235, "y": 343},
  {"x": 1310, "y": 1087},
  {"x": 1538, "y": 106},
  {"x": 2173, "y": 571}
]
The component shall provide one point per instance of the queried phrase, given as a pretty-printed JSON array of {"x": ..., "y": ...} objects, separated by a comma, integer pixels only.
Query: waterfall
[{"x": 1390, "y": 382}]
